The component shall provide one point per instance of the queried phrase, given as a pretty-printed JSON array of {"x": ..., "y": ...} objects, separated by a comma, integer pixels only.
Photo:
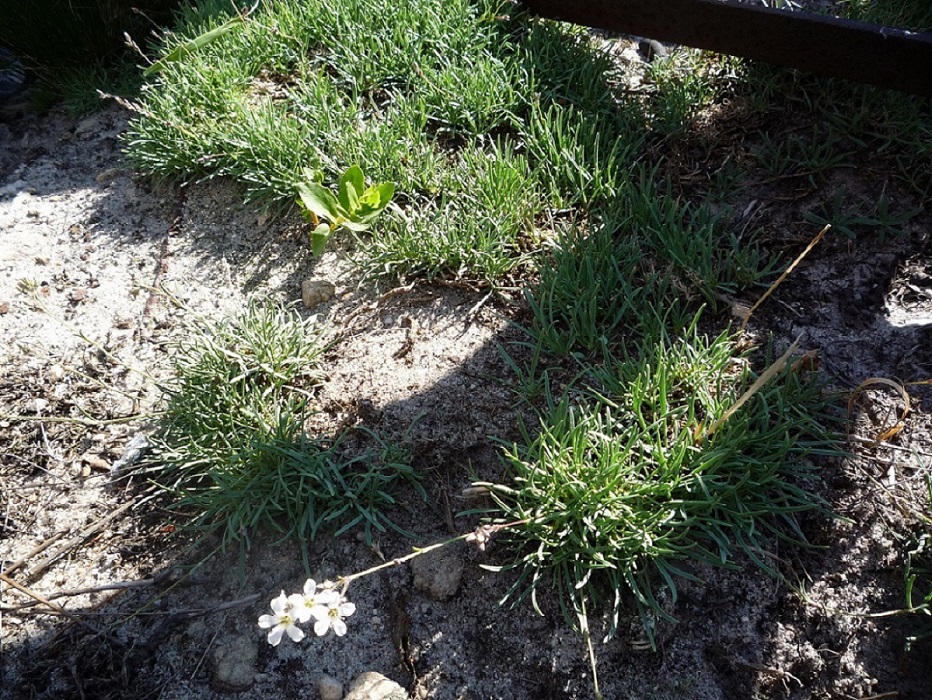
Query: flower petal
[
  {"x": 346, "y": 608},
  {"x": 320, "y": 612},
  {"x": 310, "y": 587},
  {"x": 266, "y": 621},
  {"x": 295, "y": 632},
  {"x": 280, "y": 604},
  {"x": 303, "y": 613},
  {"x": 339, "y": 627},
  {"x": 328, "y": 597},
  {"x": 275, "y": 636},
  {"x": 322, "y": 626}
]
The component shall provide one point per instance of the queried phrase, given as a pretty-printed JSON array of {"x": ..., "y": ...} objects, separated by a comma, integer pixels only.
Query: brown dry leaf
[
  {"x": 809, "y": 362},
  {"x": 892, "y": 430}
]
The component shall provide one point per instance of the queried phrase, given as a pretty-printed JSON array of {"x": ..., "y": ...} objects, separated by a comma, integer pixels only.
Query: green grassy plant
[
  {"x": 484, "y": 120},
  {"x": 232, "y": 448},
  {"x": 803, "y": 156},
  {"x": 919, "y": 577},
  {"x": 683, "y": 84},
  {"x": 619, "y": 488},
  {"x": 647, "y": 266},
  {"x": 594, "y": 291},
  {"x": 909, "y": 14},
  {"x": 855, "y": 123},
  {"x": 852, "y": 219}
]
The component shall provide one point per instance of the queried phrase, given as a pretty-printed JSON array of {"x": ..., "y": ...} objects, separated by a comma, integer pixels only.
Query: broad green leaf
[
  {"x": 312, "y": 175},
  {"x": 189, "y": 47},
  {"x": 378, "y": 196},
  {"x": 356, "y": 224},
  {"x": 351, "y": 185},
  {"x": 374, "y": 201},
  {"x": 386, "y": 191},
  {"x": 319, "y": 200},
  {"x": 319, "y": 238}
]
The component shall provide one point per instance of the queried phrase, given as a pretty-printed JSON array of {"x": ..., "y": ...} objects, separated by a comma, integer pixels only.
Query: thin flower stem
[
  {"x": 584, "y": 628},
  {"x": 344, "y": 581}
]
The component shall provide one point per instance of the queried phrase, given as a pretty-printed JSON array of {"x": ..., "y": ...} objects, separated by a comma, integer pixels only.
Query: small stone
[
  {"x": 4, "y": 307},
  {"x": 107, "y": 175},
  {"x": 329, "y": 688},
  {"x": 439, "y": 573},
  {"x": 93, "y": 461},
  {"x": 374, "y": 686},
  {"x": 42, "y": 260},
  {"x": 87, "y": 125},
  {"x": 652, "y": 49},
  {"x": 235, "y": 664},
  {"x": 77, "y": 295},
  {"x": 316, "y": 292},
  {"x": 32, "y": 213}
]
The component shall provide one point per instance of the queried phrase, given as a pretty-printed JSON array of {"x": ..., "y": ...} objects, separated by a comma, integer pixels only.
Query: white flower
[
  {"x": 284, "y": 607},
  {"x": 330, "y": 613},
  {"x": 310, "y": 600}
]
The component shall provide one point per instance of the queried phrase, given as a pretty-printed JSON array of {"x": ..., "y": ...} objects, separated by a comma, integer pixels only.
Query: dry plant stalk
[
  {"x": 768, "y": 374},
  {"x": 786, "y": 273}
]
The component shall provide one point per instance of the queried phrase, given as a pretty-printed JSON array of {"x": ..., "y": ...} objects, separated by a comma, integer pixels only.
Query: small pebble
[
  {"x": 329, "y": 688},
  {"x": 108, "y": 175},
  {"x": 316, "y": 292}
]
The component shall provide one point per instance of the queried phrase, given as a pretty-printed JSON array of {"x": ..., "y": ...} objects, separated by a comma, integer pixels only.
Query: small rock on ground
[
  {"x": 438, "y": 573},
  {"x": 374, "y": 686},
  {"x": 329, "y": 688},
  {"x": 235, "y": 664},
  {"x": 316, "y": 292}
]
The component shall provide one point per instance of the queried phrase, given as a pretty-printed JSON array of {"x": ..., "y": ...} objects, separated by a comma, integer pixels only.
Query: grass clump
[
  {"x": 620, "y": 486},
  {"x": 643, "y": 269},
  {"x": 483, "y": 118},
  {"x": 232, "y": 447},
  {"x": 909, "y": 14}
]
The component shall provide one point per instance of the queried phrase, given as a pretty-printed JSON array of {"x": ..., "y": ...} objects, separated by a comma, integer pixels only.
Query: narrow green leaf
[{"x": 189, "y": 47}]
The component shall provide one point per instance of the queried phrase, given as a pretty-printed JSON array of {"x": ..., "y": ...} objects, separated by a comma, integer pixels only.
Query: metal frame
[{"x": 888, "y": 57}]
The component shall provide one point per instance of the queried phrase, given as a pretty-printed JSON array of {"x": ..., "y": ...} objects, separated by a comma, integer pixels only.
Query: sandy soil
[{"x": 82, "y": 246}]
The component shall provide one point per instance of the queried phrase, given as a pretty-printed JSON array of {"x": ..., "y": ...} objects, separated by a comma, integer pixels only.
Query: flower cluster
[{"x": 322, "y": 602}]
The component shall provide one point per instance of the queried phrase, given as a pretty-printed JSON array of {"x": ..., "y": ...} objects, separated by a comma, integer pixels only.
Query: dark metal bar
[{"x": 867, "y": 53}]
